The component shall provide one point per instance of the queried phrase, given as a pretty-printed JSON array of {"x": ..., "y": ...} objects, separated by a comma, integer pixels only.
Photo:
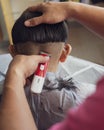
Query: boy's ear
[
  {"x": 12, "y": 50},
  {"x": 65, "y": 52}
]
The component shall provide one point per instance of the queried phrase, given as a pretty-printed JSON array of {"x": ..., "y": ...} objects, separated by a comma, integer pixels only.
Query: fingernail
[
  {"x": 47, "y": 57},
  {"x": 27, "y": 23}
]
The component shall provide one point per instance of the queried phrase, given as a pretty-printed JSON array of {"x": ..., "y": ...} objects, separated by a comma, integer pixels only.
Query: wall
[
  {"x": 12, "y": 9},
  {"x": 3, "y": 27},
  {"x": 85, "y": 44},
  {"x": 18, "y": 6}
]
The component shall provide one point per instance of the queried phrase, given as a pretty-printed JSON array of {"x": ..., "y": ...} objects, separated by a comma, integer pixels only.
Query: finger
[
  {"x": 34, "y": 21},
  {"x": 42, "y": 59}
]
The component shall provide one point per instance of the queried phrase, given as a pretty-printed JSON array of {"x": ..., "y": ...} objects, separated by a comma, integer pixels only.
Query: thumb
[
  {"x": 34, "y": 21},
  {"x": 42, "y": 59}
]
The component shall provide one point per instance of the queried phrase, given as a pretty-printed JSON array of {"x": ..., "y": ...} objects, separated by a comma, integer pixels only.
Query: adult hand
[
  {"x": 14, "y": 110},
  {"x": 23, "y": 66},
  {"x": 53, "y": 12}
]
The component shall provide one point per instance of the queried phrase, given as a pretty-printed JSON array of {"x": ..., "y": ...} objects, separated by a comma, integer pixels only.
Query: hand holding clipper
[{"x": 39, "y": 76}]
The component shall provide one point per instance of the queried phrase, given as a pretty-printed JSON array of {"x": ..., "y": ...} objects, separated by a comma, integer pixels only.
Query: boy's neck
[{"x": 52, "y": 67}]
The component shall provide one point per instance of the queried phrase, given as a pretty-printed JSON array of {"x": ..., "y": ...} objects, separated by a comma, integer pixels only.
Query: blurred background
[{"x": 85, "y": 44}]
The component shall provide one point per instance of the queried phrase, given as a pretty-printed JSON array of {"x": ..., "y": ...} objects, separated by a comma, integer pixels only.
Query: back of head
[
  {"x": 44, "y": 37},
  {"x": 42, "y": 33}
]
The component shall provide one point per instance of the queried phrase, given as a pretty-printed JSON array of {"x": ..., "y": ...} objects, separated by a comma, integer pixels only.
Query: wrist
[
  {"x": 73, "y": 9},
  {"x": 14, "y": 78}
]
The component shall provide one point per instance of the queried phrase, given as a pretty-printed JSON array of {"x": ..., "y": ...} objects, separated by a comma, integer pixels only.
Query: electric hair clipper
[{"x": 39, "y": 76}]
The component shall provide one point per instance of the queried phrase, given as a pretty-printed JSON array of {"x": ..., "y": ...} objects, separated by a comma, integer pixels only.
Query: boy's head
[{"x": 49, "y": 38}]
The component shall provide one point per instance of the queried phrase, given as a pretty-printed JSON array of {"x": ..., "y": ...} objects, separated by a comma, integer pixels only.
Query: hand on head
[{"x": 53, "y": 12}]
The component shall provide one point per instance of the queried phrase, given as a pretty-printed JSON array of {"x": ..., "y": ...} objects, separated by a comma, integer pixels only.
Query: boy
[{"x": 58, "y": 95}]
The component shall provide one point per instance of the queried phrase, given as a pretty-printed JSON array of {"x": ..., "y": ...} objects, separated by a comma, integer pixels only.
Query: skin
[
  {"x": 54, "y": 12},
  {"x": 15, "y": 113},
  {"x": 12, "y": 113},
  {"x": 58, "y": 51},
  {"x": 20, "y": 68}
]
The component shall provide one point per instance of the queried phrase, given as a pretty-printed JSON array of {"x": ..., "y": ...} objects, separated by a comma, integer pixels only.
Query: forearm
[
  {"x": 14, "y": 110},
  {"x": 90, "y": 16}
]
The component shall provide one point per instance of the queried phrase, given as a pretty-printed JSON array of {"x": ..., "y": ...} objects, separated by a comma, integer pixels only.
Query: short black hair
[{"x": 42, "y": 33}]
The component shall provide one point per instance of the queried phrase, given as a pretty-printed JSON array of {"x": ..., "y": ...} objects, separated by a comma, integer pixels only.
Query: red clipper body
[{"x": 39, "y": 76}]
